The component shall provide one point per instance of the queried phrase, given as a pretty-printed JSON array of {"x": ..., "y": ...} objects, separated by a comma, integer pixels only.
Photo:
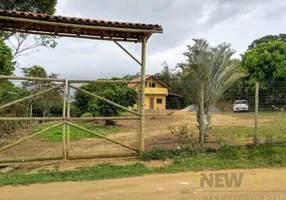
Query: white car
[{"x": 240, "y": 105}]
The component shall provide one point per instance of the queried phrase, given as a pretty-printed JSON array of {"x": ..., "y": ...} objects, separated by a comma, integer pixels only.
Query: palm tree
[{"x": 207, "y": 73}]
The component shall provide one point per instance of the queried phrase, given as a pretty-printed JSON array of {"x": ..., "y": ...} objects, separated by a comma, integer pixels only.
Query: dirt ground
[
  {"x": 257, "y": 184},
  {"x": 157, "y": 134}
]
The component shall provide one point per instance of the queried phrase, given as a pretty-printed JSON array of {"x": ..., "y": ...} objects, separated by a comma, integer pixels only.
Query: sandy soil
[
  {"x": 157, "y": 134},
  {"x": 257, "y": 184}
]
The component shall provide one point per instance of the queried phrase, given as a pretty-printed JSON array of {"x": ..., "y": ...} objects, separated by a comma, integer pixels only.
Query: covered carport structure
[{"x": 61, "y": 26}]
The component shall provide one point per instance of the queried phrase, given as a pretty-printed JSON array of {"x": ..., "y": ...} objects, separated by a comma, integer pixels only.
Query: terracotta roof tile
[{"x": 83, "y": 21}]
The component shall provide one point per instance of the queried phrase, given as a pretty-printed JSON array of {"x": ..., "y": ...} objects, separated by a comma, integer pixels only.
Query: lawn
[
  {"x": 271, "y": 126},
  {"x": 56, "y": 134}
]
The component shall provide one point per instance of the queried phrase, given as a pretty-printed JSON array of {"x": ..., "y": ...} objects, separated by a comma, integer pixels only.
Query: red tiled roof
[
  {"x": 62, "y": 26},
  {"x": 76, "y": 20},
  {"x": 146, "y": 78}
]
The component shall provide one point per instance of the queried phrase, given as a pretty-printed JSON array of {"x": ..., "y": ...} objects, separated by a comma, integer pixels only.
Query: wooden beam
[
  {"x": 69, "y": 25},
  {"x": 31, "y": 118},
  {"x": 99, "y": 135},
  {"x": 29, "y": 97},
  {"x": 101, "y": 81},
  {"x": 102, "y": 118},
  {"x": 30, "y": 137},
  {"x": 142, "y": 99},
  {"x": 103, "y": 99},
  {"x": 125, "y": 50},
  {"x": 31, "y": 78},
  {"x": 103, "y": 156},
  {"x": 72, "y": 35}
]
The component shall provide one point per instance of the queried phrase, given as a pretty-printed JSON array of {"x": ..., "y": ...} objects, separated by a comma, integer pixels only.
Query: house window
[
  {"x": 159, "y": 101},
  {"x": 152, "y": 85}
]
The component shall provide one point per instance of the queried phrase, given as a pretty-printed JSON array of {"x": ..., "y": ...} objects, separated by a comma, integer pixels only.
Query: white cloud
[{"x": 234, "y": 22}]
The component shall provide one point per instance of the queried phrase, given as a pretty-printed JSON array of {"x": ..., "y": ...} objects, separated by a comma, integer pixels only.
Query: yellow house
[{"x": 155, "y": 93}]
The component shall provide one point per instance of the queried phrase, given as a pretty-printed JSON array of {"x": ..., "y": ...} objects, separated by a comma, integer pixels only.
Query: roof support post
[{"x": 142, "y": 98}]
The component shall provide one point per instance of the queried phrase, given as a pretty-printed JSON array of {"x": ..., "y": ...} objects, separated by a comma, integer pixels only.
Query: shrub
[
  {"x": 181, "y": 133},
  {"x": 156, "y": 153},
  {"x": 86, "y": 115}
]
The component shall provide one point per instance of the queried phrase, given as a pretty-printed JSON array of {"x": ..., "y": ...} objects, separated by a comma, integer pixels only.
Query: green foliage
[
  {"x": 7, "y": 66},
  {"x": 261, "y": 156},
  {"x": 181, "y": 133},
  {"x": 266, "y": 39},
  {"x": 266, "y": 61},
  {"x": 87, "y": 115},
  {"x": 172, "y": 79},
  {"x": 155, "y": 154},
  {"x": 207, "y": 73},
  {"x": 9, "y": 93},
  {"x": 35, "y": 71},
  {"x": 118, "y": 93},
  {"x": 22, "y": 43},
  {"x": 39, "y": 6},
  {"x": 56, "y": 134},
  {"x": 47, "y": 104}
]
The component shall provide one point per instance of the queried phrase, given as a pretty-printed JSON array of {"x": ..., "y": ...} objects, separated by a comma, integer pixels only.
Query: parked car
[{"x": 240, "y": 105}]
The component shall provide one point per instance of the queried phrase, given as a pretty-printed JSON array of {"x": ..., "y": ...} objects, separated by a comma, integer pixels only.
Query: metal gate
[{"x": 63, "y": 136}]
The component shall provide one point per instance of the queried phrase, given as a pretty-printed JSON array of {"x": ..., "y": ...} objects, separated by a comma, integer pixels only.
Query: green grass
[
  {"x": 56, "y": 134},
  {"x": 271, "y": 125},
  {"x": 225, "y": 158}
]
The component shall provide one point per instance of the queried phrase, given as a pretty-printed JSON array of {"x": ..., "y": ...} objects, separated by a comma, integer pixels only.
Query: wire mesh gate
[{"x": 60, "y": 135}]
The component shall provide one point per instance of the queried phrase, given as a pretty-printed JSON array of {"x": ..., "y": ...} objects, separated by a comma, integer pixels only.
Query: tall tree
[
  {"x": 207, "y": 73},
  {"x": 7, "y": 66},
  {"x": 23, "y": 44},
  {"x": 266, "y": 63},
  {"x": 118, "y": 93},
  {"x": 48, "y": 103},
  {"x": 267, "y": 38}
]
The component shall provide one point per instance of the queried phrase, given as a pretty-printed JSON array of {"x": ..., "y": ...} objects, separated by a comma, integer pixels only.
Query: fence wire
[{"x": 173, "y": 127}]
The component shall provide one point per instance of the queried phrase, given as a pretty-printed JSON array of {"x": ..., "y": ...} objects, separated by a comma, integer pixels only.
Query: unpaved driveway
[{"x": 257, "y": 184}]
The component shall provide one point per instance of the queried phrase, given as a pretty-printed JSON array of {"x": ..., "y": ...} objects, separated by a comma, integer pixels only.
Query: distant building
[{"x": 155, "y": 93}]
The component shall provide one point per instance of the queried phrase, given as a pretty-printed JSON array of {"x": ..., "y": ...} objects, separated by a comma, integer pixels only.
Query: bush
[
  {"x": 86, "y": 115},
  {"x": 155, "y": 154},
  {"x": 181, "y": 133}
]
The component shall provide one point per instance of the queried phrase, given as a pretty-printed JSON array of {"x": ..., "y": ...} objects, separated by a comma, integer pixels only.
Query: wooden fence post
[
  {"x": 255, "y": 138},
  {"x": 142, "y": 97}
]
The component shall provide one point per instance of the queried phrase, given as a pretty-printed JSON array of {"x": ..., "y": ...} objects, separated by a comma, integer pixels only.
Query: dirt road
[{"x": 257, "y": 184}]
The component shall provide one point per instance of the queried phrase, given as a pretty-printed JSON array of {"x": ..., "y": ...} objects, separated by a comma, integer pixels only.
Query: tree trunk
[{"x": 207, "y": 123}]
